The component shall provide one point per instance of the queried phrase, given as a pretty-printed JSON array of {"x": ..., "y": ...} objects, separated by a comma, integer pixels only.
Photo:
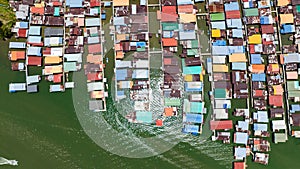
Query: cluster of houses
[
  {"x": 289, "y": 17},
  {"x": 132, "y": 76},
  {"x": 253, "y": 72},
  {"x": 182, "y": 67},
  {"x": 55, "y": 33}
]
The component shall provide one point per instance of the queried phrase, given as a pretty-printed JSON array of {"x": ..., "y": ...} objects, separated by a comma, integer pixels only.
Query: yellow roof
[
  {"x": 120, "y": 2},
  {"x": 216, "y": 33},
  {"x": 237, "y": 57},
  {"x": 94, "y": 58},
  {"x": 220, "y": 68},
  {"x": 187, "y": 18},
  {"x": 52, "y": 60},
  {"x": 283, "y": 2},
  {"x": 52, "y": 69},
  {"x": 121, "y": 37},
  {"x": 188, "y": 78},
  {"x": 255, "y": 39},
  {"x": 278, "y": 89},
  {"x": 286, "y": 18}
]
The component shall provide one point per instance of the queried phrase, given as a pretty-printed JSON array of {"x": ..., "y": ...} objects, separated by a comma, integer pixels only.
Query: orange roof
[
  {"x": 258, "y": 68},
  {"x": 119, "y": 55},
  {"x": 185, "y": 8},
  {"x": 169, "y": 9},
  {"x": 97, "y": 94},
  {"x": 168, "y": 111},
  {"x": 16, "y": 55},
  {"x": 37, "y": 10},
  {"x": 94, "y": 58},
  {"x": 158, "y": 13},
  {"x": 169, "y": 42}
]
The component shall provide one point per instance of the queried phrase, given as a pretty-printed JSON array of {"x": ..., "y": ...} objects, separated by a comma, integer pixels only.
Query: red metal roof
[
  {"x": 233, "y": 14},
  {"x": 22, "y": 33},
  {"x": 94, "y": 3},
  {"x": 220, "y": 125},
  {"x": 185, "y": 8},
  {"x": 239, "y": 165},
  {"x": 34, "y": 61},
  {"x": 165, "y": 17},
  {"x": 267, "y": 29},
  {"x": 169, "y": 42},
  {"x": 276, "y": 100},
  {"x": 258, "y": 93},
  {"x": 169, "y": 9},
  {"x": 94, "y": 76},
  {"x": 57, "y": 3},
  {"x": 96, "y": 48},
  {"x": 57, "y": 78},
  {"x": 159, "y": 122}
]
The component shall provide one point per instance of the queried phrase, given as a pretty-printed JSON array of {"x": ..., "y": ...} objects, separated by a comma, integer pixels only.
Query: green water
[{"x": 42, "y": 131}]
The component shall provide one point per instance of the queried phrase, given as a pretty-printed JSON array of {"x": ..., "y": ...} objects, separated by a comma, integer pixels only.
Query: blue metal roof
[
  {"x": 121, "y": 74},
  {"x": 259, "y": 77},
  {"x": 233, "y": 6},
  {"x": 256, "y": 59},
  {"x": 193, "y": 118}
]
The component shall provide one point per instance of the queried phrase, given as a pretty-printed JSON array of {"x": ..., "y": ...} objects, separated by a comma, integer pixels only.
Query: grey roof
[
  {"x": 53, "y": 32},
  {"x": 96, "y": 105},
  {"x": 32, "y": 88}
]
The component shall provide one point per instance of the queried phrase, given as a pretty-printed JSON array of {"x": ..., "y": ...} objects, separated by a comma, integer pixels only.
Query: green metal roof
[
  {"x": 191, "y": 52},
  {"x": 251, "y": 12},
  {"x": 293, "y": 88},
  {"x": 298, "y": 8},
  {"x": 217, "y": 16},
  {"x": 194, "y": 43},
  {"x": 70, "y": 66},
  {"x": 172, "y": 102},
  {"x": 169, "y": 26},
  {"x": 220, "y": 93}
]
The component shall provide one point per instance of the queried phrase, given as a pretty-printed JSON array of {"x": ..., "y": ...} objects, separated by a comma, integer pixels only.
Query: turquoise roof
[{"x": 144, "y": 116}]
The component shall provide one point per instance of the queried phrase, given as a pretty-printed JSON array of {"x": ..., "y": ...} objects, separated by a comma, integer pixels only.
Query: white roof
[
  {"x": 140, "y": 74},
  {"x": 56, "y": 88},
  {"x": 261, "y": 116},
  {"x": 243, "y": 125},
  {"x": 13, "y": 87},
  {"x": 240, "y": 153},
  {"x": 220, "y": 114},
  {"x": 219, "y": 59},
  {"x": 222, "y": 104},
  {"x": 69, "y": 85},
  {"x": 95, "y": 86},
  {"x": 142, "y": 64},
  {"x": 241, "y": 138},
  {"x": 55, "y": 52},
  {"x": 33, "y": 79},
  {"x": 123, "y": 64},
  {"x": 75, "y": 57},
  {"x": 278, "y": 125}
]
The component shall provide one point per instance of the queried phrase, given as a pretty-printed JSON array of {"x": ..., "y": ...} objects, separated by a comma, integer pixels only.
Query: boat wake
[{"x": 4, "y": 161}]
